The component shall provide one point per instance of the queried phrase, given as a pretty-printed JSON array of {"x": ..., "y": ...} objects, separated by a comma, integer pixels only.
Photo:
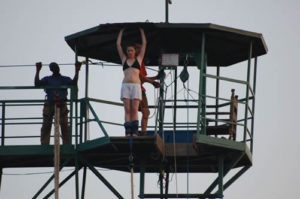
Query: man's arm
[
  {"x": 150, "y": 80},
  {"x": 37, "y": 74},
  {"x": 77, "y": 69}
]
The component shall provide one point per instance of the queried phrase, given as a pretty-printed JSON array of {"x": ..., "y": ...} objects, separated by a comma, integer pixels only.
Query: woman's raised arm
[
  {"x": 140, "y": 56},
  {"x": 119, "y": 47}
]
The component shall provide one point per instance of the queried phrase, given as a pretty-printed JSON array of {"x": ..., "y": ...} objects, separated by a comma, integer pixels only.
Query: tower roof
[{"x": 224, "y": 45}]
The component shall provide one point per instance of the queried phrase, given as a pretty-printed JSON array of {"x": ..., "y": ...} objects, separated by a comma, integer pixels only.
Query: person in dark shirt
[{"x": 58, "y": 96}]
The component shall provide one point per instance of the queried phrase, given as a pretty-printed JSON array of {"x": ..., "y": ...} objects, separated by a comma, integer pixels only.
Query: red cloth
[{"x": 144, "y": 73}]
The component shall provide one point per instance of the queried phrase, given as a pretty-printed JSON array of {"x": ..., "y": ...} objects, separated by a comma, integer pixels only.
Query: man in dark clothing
[{"x": 58, "y": 96}]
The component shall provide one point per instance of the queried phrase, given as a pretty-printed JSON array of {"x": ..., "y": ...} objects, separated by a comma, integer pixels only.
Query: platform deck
[{"x": 148, "y": 152}]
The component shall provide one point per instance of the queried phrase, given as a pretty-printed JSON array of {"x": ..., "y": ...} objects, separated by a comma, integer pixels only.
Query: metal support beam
[
  {"x": 49, "y": 180},
  {"x": 76, "y": 177},
  {"x": 105, "y": 182},
  {"x": 1, "y": 173},
  {"x": 83, "y": 182},
  {"x": 161, "y": 184},
  {"x": 76, "y": 106},
  {"x": 71, "y": 113},
  {"x": 247, "y": 91},
  {"x": 167, "y": 10},
  {"x": 225, "y": 172},
  {"x": 201, "y": 96},
  {"x": 235, "y": 177},
  {"x": 161, "y": 104},
  {"x": 175, "y": 99},
  {"x": 61, "y": 184},
  {"x": 142, "y": 178},
  {"x": 3, "y": 124},
  {"x": 221, "y": 175},
  {"x": 96, "y": 118},
  {"x": 86, "y": 124},
  {"x": 167, "y": 185},
  {"x": 217, "y": 95},
  {"x": 253, "y": 103}
]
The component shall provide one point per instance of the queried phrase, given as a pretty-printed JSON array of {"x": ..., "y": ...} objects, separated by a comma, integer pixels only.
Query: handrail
[
  {"x": 4, "y": 104},
  {"x": 39, "y": 102}
]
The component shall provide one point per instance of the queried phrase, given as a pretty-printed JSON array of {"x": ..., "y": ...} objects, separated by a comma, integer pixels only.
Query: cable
[
  {"x": 70, "y": 64},
  {"x": 187, "y": 141},
  {"x": 174, "y": 141}
]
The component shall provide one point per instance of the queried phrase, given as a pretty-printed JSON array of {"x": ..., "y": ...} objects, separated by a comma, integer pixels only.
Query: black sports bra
[{"x": 134, "y": 65}]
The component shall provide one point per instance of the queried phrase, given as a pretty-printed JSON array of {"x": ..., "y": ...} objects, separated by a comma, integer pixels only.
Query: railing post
[
  {"x": 217, "y": 94},
  {"x": 86, "y": 123},
  {"x": 3, "y": 124},
  {"x": 161, "y": 105},
  {"x": 247, "y": 91},
  {"x": 202, "y": 91},
  {"x": 71, "y": 115},
  {"x": 253, "y": 103}
]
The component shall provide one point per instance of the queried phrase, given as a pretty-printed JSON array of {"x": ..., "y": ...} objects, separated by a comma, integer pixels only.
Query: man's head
[{"x": 54, "y": 67}]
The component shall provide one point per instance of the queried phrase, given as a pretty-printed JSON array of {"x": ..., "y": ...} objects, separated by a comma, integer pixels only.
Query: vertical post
[
  {"x": 83, "y": 182},
  {"x": 142, "y": 178},
  {"x": 221, "y": 174},
  {"x": 76, "y": 105},
  {"x": 86, "y": 126},
  {"x": 56, "y": 150},
  {"x": 167, "y": 185},
  {"x": 71, "y": 113},
  {"x": 1, "y": 173},
  {"x": 161, "y": 184},
  {"x": 81, "y": 115},
  {"x": 3, "y": 124},
  {"x": 247, "y": 92},
  {"x": 201, "y": 97},
  {"x": 175, "y": 101},
  {"x": 161, "y": 105},
  {"x": 167, "y": 10},
  {"x": 217, "y": 94},
  {"x": 76, "y": 178},
  {"x": 76, "y": 131},
  {"x": 253, "y": 102}
]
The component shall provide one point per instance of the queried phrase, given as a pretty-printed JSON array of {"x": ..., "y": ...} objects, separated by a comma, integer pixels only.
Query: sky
[{"x": 34, "y": 31}]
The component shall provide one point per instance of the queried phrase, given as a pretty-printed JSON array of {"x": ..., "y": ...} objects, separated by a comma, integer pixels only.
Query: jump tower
[{"x": 216, "y": 138}]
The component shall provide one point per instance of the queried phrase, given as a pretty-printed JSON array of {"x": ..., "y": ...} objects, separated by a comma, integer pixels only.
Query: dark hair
[
  {"x": 129, "y": 44},
  {"x": 54, "y": 66}
]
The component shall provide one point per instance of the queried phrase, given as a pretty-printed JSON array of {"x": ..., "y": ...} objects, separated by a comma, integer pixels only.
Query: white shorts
[{"x": 131, "y": 91}]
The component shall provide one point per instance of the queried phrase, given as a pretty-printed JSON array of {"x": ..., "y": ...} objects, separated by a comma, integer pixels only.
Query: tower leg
[
  {"x": 161, "y": 176},
  {"x": 167, "y": 185},
  {"x": 1, "y": 172},
  {"x": 83, "y": 183},
  {"x": 142, "y": 179}
]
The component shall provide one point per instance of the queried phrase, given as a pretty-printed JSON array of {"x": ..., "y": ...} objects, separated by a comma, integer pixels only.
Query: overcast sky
[{"x": 34, "y": 30}]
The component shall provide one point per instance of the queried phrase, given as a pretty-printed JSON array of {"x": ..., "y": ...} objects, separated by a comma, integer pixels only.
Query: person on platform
[
  {"x": 55, "y": 96},
  {"x": 143, "y": 106},
  {"x": 131, "y": 94}
]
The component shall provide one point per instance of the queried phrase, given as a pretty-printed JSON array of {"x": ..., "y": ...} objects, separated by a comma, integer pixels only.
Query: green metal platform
[{"x": 113, "y": 152}]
